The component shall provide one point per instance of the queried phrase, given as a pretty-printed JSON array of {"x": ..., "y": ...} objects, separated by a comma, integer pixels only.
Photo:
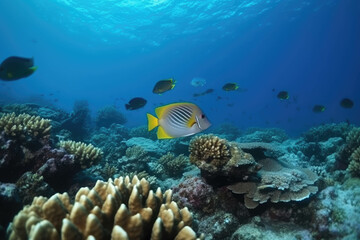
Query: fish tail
[
  {"x": 153, "y": 122},
  {"x": 127, "y": 106},
  {"x": 33, "y": 69}
]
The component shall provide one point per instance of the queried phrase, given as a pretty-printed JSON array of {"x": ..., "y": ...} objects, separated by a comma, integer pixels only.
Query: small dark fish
[
  {"x": 230, "y": 104},
  {"x": 56, "y": 100},
  {"x": 14, "y": 68},
  {"x": 283, "y": 95},
  {"x": 210, "y": 90},
  {"x": 318, "y": 108},
  {"x": 164, "y": 86},
  {"x": 230, "y": 87},
  {"x": 218, "y": 98},
  {"x": 346, "y": 103},
  {"x": 135, "y": 103},
  {"x": 273, "y": 90}
]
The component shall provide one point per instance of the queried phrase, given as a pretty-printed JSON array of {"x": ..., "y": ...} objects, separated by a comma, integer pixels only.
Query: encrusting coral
[
  {"x": 24, "y": 125},
  {"x": 119, "y": 209},
  {"x": 85, "y": 154}
]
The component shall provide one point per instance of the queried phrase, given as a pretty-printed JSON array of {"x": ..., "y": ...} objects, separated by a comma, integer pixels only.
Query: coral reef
[
  {"x": 22, "y": 126},
  {"x": 109, "y": 115},
  {"x": 324, "y": 132},
  {"x": 196, "y": 194},
  {"x": 278, "y": 183},
  {"x": 135, "y": 159},
  {"x": 120, "y": 209},
  {"x": 30, "y": 185},
  {"x": 78, "y": 121},
  {"x": 151, "y": 147},
  {"x": 217, "y": 157},
  {"x": 354, "y": 166},
  {"x": 267, "y": 135},
  {"x": 343, "y": 156},
  {"x": 143, "y": 131},
  {"x": 173, "y": 166},
  {"x": 85, "y": 154},
  {"x": 228, "y": 131},
  {"x": 111, "y": 141}
]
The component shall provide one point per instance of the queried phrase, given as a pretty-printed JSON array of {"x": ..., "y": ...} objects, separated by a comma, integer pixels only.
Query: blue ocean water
[{"x": 107, "y": 52}]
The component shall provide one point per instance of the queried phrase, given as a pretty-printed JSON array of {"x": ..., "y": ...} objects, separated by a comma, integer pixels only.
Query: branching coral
[
  {"x": 25, "y": 125},
  {"x": 173, "y": 165},
  {"x": 85, "y": 154},
  {"x": 119, "y": 209},
  {"x": 135, "y": 159}
]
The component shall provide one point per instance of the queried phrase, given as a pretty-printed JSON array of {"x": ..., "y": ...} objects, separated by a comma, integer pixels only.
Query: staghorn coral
[
  {"x": 28, "y": 108},
  {"x": 119, "y": 209},
  {"x": 173, "y": 165},
  {"x": 85, "y": 154},
  {"x": 25, "y": 125},
  {"x": 217, "y": 157},
  {"x": 278, "y": 183}
]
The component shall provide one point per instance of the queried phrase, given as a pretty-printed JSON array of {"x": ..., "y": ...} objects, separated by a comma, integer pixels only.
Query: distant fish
[
  {"x": 230, "y": 87},
  {"x": 283, "y": 95},
  {"x": 318, "y": 108},
  {"x": 346, "y": 103},
  {"x": 135, "y": 103},
  {"x": 178, "y": 120},
  {"x": 198, "y": 82},
  {"x": 210, "y": 90},
  {"x": 14, "y": 68},
  {"x": 164, "y": 86}
]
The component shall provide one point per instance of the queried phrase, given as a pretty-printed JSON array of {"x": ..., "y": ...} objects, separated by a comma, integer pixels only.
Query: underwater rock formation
[
  {"x": 109, "y": 115},
  {"x": 324, "y": 132},
  {"x": 120, "y": 209}
]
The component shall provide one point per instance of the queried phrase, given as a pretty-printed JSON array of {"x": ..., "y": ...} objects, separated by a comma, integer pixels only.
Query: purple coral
[{"x": 195, "y": 193}]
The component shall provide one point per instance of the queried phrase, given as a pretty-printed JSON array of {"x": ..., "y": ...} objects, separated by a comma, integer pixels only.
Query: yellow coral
[
  {"x": 86, "y": 154},
  {"x": 119, "y": 209},
  {"x": 210, "y": 149},
  {"x": 20, "y": 126}
]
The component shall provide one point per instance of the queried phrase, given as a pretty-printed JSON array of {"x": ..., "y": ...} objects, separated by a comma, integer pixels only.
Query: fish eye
[{"x": 202, "y": 115}]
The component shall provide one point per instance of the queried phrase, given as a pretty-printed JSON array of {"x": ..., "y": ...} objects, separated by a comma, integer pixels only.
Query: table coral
[
  {"x": 278, "y": 183},
  {"x": 119, "y": 209}
]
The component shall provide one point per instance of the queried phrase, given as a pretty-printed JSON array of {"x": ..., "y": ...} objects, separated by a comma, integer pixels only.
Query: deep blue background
[{"x": 107, "y": 54}]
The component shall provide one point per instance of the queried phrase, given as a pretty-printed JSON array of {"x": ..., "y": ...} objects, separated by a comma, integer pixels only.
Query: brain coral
[{"x": 119, "y": 209}]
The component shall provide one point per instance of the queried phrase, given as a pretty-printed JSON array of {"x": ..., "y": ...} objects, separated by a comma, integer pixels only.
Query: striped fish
[{"x": 178, "y": 120}]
